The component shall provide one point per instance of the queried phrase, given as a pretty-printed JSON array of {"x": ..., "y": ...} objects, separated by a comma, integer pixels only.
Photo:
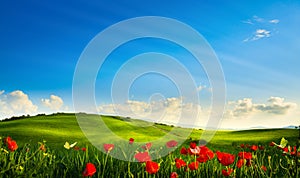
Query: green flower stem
[{"x": 105, "y": 161}]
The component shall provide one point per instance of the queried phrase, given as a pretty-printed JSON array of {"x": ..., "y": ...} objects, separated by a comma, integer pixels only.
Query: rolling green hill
[{"x": 61, "y": 127}]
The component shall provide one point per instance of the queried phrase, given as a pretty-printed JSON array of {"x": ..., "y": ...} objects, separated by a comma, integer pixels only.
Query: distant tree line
[
  {"x": 28, "y": 116},
  {"x": 16, "y": 118}
]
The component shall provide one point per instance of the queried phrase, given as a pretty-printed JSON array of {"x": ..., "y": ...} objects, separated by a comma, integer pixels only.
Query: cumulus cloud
[
  {"x": 275, "y": 105},
  {"x": 16, "y": 103},
  {"x": 171, "y": 110},
  {"x": 54, "y": 102},
  {"x": 244, "y": 106}
]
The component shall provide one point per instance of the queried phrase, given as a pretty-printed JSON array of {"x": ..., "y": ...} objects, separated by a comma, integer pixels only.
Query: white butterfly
[{"x": 68, "y": 146}]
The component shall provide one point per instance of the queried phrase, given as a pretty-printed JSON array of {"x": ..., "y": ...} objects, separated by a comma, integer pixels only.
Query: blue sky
[{"x": 257, "y": 43}]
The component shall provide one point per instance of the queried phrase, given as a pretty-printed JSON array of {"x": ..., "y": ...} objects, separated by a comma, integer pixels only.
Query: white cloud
[
  {"x": 244, "y": 113},
  {"x": 171, "y": 111},
  {"x": 248, "y": 22},
  {"x": 274, "y": 21},
  {"x": 54, "y": 103},
  {"x": 275, "y": 105},
  {"x": 259, "y": 33},
  {"x": 261, "y": 25},
  {"x": 201, "y": 87},
  {"x": 16, "y": 103},
  {"x": 254, "y": 20},
  {"x": 258, "y": 19},
  {"x": 244, "y": 106}
]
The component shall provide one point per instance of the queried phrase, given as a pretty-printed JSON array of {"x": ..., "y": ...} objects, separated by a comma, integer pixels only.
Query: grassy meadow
[
  {"x": 58, "y": 128},
  {"x": 41, "y": 151}
]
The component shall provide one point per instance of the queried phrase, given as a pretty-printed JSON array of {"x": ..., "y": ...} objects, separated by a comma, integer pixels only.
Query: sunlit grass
[
  {"x": 55, "y": 161},
  {"x": 57, "y": 127}
]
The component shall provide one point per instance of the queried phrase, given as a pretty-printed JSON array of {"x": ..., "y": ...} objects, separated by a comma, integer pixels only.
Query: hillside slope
[{"x": 58, "y": 128}]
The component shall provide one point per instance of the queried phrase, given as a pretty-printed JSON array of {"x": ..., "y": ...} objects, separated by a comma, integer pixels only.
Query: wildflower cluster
[{"x": 194, "y": 160}]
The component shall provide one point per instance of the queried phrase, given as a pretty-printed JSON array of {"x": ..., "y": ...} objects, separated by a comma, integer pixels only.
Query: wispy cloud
[
  {"x": 262, "y": 28},
  {"x": 259, "y": 33},
  {"x": 258, "y": 19},
  {"x": 248, "y": 22},
  {"x": 201, "y": 87},
  {"x": 255, "y": 20},
  {"x": 275, "y": 21}
]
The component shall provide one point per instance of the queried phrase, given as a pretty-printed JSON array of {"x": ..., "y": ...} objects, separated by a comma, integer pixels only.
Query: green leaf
[{"x": 283, "y": 142}]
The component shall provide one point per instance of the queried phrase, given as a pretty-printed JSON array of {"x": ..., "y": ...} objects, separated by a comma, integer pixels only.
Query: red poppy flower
[
  {"x": 245, "y": 155},
  {"x": 202, "y": 158},
  {"x": 7, "y": 139},
  {"x": 272, "y": 143},
  {"x": 260, "y": 147},
  {"x": 193, "y": 165},
  {"x": 152, "y": 167},
  {"x": 242, "y": 145},
  {"x": 285, "y": 149},
  {"x": 142, "y": 156},
  {"x": 12, "y": 145},
  {"x": 225, "y": 158},
  {"x": 294, "y": 151},
  {"x": 240, "y": 163},
  {"x": 89, "y": 170},
  {"x": 131, "y": 140},
  {"x": 183, "y": 151},
  {"x": 147, "y": 146},
  {"x": 193, "y": 145},
  {"x": 227, "y": 172},
  {"x": 193, "y": 149},
  {"x": 179, "y": 163},
  {"x": 205, "y": 154},
  {"x": 171, "y": 143},
  {"x": 83, "y": 149},
  {"x": 108, "y": 147},
  {"x": 253, "y": 147},
  {"x": 174, "y": 175},
  {"x": 264, "y": 168}
]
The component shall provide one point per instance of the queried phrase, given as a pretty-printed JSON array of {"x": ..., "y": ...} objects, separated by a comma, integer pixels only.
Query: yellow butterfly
[{"x": 68, "y": 146}]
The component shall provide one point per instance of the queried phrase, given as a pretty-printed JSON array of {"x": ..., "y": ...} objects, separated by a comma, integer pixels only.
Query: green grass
[
  {"x": 58, "y": 128},
  {"x": 56, "y": 161}
]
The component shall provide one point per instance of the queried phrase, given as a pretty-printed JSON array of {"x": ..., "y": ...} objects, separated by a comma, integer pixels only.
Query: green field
[
  {"x": 58, "y": 128},
  {"x": 41, "y": 152}
]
